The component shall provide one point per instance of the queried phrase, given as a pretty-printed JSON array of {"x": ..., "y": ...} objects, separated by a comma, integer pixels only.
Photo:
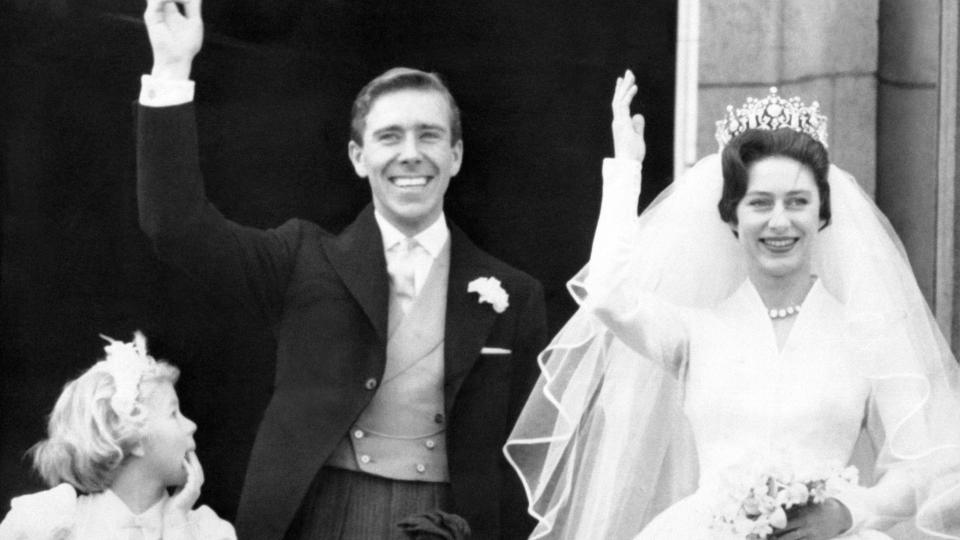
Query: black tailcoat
[{"x": 325, "y": 299}]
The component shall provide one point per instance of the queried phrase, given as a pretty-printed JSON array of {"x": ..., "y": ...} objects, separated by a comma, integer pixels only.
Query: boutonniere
[{"x": 491, "y": 292}]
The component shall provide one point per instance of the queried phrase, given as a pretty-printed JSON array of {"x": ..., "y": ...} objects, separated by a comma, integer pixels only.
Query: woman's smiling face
[{"x": 779, "y": 217}]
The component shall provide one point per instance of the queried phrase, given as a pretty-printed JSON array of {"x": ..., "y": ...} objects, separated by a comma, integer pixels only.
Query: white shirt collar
[
  {"x": 115, "y": 515},
  {"x": 431, "y": 239}
]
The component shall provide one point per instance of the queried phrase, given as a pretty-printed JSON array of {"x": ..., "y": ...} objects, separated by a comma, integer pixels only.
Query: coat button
[
  {"x": 438, "y": 418},
  {"x": 358, "y": 434},
  {"x": 431, "y": 444},
  {"x": 370, "y": 384},
  {"x": 421, "y": 468},
  {"x": 364, "y": 459}
]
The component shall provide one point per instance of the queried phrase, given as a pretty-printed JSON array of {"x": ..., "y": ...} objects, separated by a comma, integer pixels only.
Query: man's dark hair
[{"x": 394, "y": 80}]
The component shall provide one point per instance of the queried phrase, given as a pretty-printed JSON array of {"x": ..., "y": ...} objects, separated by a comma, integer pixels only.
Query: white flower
[
  {"x": 752, "y": 499},
  {"x": 126, "y": 363},
  {"x": 850, "y": 475},
  {"x": 491, "y": 292},
  {"x": 778, "y": 518},
  {"x": 751, "y": 506},
  {"x": 743, "y": 525},
  {"x": 797, "y": 494}
]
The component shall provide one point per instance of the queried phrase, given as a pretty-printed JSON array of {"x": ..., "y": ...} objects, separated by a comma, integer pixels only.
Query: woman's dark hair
[{"x": 756, "y": 144}]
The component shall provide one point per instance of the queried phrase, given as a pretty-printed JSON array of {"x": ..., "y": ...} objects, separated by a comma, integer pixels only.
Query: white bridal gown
[{"x": 746, "y": 398}]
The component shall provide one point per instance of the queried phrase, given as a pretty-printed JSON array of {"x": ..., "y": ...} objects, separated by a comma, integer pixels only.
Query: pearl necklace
[{"x": 783, "y": 313}]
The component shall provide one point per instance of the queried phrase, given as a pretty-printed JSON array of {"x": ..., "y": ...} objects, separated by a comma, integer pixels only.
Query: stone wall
[
  {"x": 877, "y": 69},
  {"x": 907, "y": 113},
  {"x": 824, "y": 50}
]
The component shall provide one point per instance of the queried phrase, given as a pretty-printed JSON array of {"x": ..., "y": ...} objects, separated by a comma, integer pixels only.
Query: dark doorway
[{"x": 275, "y": 81}]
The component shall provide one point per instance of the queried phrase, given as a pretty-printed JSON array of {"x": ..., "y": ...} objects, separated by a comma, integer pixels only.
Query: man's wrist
[{"x": 156, "y": 92}]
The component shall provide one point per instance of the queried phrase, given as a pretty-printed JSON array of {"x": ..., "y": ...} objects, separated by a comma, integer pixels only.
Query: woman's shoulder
[{"x": 44, "y": 515}]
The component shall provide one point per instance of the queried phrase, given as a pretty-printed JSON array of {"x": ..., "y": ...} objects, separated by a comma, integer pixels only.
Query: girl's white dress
[{"x": 60, "y": 514}]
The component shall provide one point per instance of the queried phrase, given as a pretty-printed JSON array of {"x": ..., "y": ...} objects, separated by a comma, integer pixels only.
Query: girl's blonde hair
[{"x": 87, "y": 439}]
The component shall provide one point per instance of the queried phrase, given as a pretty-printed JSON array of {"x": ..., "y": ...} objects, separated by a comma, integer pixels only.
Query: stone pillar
[
  {"x": 824, "y": 50},
  {"x": 955, "y": 327},
  {"x": 911, "y": 183},
  {"x": 907, "y": 128}
]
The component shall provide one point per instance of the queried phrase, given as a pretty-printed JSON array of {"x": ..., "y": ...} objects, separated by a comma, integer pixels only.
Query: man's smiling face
[{"x": 408, "y": 156}]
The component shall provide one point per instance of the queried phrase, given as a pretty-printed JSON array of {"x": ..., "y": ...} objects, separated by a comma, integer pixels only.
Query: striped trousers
[{"x": 350, "y": 505}]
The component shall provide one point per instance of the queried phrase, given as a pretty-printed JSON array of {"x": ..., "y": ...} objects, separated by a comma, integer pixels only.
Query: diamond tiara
[{"x": 773, "y": 112}]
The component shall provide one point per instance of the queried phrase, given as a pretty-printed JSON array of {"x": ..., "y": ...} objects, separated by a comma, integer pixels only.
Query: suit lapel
[
  {"x": 357, "y": 256},
  {"x": 468, "y": 322}
]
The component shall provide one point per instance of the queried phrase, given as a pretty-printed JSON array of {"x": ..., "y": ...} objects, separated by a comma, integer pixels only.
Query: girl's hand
[
  {"x": 817, "y": 521},
  {"x": 628, "y": 140},
  {"x": 178, "y": 507},
  {"x": 175, "y": 38}
]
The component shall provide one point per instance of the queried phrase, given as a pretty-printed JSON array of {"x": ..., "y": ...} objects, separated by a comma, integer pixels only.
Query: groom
[{"x": 404, "y": 352}]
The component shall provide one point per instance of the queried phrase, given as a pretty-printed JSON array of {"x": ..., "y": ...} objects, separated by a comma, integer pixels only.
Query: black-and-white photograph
[{"x": 438, "y": 270}]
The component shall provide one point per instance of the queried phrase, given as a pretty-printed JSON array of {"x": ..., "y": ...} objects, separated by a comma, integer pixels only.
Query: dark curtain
[{"x": 275, "y": 80}]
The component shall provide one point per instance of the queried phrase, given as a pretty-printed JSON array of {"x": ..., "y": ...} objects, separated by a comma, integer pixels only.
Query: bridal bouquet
[{"x": 755, "y": 501}]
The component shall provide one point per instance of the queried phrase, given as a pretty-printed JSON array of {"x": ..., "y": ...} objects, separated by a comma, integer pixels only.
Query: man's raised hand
[{"x": 175, "y": 37}]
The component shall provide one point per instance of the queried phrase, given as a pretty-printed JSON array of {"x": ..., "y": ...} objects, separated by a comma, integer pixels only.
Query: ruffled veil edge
[{"x": 602, "y": 445}]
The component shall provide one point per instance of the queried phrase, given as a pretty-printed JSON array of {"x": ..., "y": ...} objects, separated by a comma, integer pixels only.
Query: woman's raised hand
[
  {"x": 175, "y": 37},
  {"x": 628, "y": 140}
]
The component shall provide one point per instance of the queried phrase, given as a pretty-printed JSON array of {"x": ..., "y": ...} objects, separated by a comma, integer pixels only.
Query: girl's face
[
  {"x": 779, "y": 217},
  {"x": 168, "y": 434}
]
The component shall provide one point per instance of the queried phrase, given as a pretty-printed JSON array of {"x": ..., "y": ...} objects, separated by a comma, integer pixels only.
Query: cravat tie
[{"x": 402, "y": 271}]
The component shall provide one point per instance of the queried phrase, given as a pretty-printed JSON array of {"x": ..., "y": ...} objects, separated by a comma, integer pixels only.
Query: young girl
[{"x": 117, "y": 441}]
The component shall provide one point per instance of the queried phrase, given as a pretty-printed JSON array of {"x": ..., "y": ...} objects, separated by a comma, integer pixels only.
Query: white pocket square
[{"x": 494, "y": 350}]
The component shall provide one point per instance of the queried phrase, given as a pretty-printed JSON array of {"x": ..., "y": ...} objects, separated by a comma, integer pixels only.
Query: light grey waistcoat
[{"x": 401, "y": 433}]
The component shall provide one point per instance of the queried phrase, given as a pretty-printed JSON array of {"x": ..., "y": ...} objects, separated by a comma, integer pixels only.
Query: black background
[{"x": 275, "y": 80}]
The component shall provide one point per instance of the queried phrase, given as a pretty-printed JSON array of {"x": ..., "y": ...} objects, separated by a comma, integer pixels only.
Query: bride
[{"x": 760, "y": 315}]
